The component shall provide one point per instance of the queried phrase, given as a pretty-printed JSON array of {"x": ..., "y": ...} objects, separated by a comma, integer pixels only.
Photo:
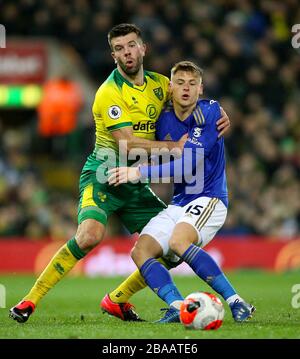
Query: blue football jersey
[
  {"x": 203, "y": 156},
  {"x": 169, "y": 127},
  {"x": 203, "y": 136}
]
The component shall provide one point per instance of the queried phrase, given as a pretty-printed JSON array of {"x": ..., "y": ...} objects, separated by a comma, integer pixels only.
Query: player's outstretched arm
[
  {"x": 119, "y": 175},
  {"x": 126, "y": 134}
]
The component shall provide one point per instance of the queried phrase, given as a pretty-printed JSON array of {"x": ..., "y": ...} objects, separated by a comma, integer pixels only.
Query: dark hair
[
  {"x": 188, "y": 66},
  {"x": 122, "y": 30}
]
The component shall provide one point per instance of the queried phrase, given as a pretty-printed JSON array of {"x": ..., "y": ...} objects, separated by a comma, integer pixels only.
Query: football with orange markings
[{"x": 202, "y": 310}]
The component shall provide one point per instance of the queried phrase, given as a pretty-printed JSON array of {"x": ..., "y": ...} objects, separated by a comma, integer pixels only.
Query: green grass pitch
[{"x": 71, "y": 309}]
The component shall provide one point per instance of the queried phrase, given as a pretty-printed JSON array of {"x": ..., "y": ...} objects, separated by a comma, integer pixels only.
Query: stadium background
[{"x": 250, "y": 67}]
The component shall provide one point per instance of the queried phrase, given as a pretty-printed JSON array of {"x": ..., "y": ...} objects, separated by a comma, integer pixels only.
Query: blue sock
[
  {"x": 208, "y": 270},
  {"x": 159, "y": 280}
]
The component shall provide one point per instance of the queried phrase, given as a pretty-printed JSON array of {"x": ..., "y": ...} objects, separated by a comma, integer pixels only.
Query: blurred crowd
[
  {"x": 28, "y": 207},
  {"x": 249, "y": 66}
]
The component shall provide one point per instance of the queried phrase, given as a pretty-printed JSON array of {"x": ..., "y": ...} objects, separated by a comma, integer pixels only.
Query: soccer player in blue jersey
[{"x": 199, "y": 206}]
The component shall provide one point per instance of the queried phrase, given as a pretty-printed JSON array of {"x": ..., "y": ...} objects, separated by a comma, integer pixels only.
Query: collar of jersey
[
  {"x": 120, "y": 80},
  {"x": 171, "y": 109}
]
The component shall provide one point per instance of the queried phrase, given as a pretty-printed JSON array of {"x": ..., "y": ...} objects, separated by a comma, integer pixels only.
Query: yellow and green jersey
[{"x": 118, "y": 103}]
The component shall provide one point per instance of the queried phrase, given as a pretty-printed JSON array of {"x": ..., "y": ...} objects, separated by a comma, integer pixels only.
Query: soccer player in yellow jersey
[{"x": 126, "y": 107}]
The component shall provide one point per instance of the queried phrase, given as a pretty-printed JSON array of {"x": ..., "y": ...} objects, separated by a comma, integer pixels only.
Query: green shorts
[{"x": 135, "y": 204}]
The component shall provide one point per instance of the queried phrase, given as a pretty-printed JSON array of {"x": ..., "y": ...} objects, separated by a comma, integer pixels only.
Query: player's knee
[
  {"x": 175, "y": 244},
  {"x": 137, "y": 254},
  {"x": 179, "y": 245},
  {"x": 88, "y": 239},
  {"x": 141, "y": 252}
]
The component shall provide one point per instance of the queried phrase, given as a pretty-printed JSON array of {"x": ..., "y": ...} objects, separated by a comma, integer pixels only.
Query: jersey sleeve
[
  {"x": 165, "y": 170},
  {"x": 111, "y": 108},
  {"x": 183, "y": 166}
]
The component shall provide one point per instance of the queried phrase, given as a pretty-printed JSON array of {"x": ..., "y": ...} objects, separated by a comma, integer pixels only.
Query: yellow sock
[
  {"x": 62, "y": 262},
  {"x": 131, "y": 285},
  {"x": 126, "y": 289}
]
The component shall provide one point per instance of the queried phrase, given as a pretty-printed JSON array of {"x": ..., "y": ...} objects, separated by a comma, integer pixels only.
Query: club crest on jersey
[
  {"x": 114, "y": 112},
  {"x": 158, "y": 92},
  {"x": 197, "y": 132}
]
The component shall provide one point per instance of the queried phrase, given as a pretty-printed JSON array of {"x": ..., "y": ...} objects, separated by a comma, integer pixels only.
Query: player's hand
[
  {"x": 181, "y": 142},
  {"x": 223, "y": 123},
  {"x": 119, "y": 175}
]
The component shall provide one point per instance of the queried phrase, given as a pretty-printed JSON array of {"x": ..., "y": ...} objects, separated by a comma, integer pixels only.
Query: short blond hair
[{"x": 187, "y": 66}]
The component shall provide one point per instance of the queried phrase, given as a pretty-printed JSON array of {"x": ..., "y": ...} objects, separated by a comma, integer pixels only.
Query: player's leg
[
  {"x": 140, "y": 209},
  {"x": 89, "y": 234},
  {"x": 152, "y": 243},
  {"x": 200, "y": 261},
  {"x": 133, "y": 284},
  {"x": 116, "y": 302},
  {"x": 92, "y": 220},
  {"x": 200, "y": 228},
  {"x": 157, "y": 276}
]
